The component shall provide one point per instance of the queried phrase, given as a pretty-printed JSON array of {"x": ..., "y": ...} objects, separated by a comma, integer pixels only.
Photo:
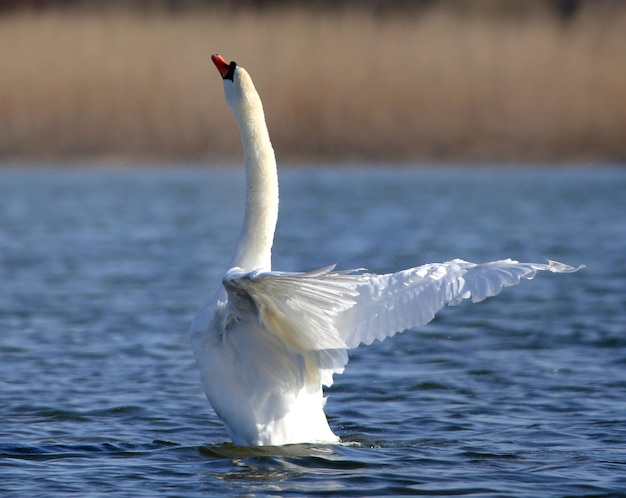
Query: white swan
[{"x": 268, "y": 340}]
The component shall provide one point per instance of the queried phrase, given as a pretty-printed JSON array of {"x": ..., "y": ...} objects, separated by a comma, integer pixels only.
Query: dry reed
[{"x": 347, "y": 86}]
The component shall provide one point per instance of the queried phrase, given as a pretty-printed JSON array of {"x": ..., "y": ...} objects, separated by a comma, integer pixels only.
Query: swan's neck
[{"x": 254, "y": 249}]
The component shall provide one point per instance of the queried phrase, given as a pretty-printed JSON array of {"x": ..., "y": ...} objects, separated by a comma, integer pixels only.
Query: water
[{"x": 102, "y": 271}]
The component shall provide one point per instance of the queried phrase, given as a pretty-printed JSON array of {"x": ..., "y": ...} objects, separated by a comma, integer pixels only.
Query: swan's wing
[
  {"x": 387, "y": 304},
  {"x": 321, "y": 313},
  {"x": 298, "y": 309}
]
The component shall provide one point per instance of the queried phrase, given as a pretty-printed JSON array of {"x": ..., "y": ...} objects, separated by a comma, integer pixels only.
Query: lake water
[{"x": 102, "y": 270}]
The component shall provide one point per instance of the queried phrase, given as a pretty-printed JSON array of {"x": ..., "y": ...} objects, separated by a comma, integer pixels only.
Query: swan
[{"x": 269, "y": 340}]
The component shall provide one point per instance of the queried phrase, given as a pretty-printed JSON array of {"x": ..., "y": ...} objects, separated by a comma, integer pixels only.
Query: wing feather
[
  {"x": 299, "y": 309},
  {"x": 322, "y": 313},
  {"x": 388, "y": 304}
]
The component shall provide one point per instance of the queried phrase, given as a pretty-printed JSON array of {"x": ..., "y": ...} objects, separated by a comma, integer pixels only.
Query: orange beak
[{"x": 221, "y": 65}]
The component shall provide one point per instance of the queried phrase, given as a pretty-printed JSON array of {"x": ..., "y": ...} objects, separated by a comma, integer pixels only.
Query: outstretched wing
[
  {"x": 321, "y": 313},
  {"x": 388, "y": 304}
]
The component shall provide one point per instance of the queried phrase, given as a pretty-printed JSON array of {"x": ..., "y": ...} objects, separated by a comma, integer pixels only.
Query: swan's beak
[{"x": 226, "y": 70}]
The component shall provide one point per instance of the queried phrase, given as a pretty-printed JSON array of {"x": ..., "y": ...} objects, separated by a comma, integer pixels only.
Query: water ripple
[{"x": 522, "y": 395}]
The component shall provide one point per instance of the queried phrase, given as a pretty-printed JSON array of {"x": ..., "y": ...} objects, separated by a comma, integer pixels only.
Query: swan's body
[{"x": 268, "y": 341}]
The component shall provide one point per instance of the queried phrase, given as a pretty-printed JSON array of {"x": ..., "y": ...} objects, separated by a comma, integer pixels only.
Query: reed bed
[{"x": 347, "y": 86}]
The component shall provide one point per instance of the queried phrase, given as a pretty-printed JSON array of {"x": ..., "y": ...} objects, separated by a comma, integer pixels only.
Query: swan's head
[{"x": 238, "y": 87}]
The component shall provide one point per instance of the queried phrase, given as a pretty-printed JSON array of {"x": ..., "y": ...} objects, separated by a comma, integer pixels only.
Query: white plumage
[{"x": 269, "y": 341}]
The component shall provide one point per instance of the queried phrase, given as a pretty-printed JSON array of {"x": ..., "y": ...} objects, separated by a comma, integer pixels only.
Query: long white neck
[{"x": 254, "y": 249}]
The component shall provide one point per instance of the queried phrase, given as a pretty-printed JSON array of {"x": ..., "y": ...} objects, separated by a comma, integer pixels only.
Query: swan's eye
[{"x": 230, "y": 74}]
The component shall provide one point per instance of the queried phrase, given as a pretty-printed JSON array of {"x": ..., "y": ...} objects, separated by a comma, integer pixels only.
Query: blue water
[{"x": 102, "y": 270}]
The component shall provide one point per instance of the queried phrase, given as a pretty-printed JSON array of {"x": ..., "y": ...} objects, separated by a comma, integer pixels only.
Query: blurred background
[{"x": 421, "y": 81}]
